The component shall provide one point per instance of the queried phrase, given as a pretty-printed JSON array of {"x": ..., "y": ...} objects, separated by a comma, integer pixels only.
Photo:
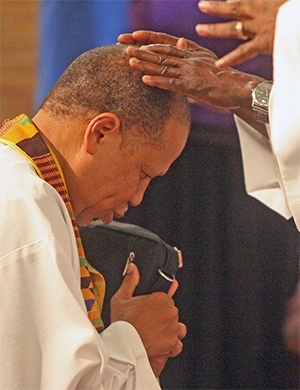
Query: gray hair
[{"x": 101, "y": 80}]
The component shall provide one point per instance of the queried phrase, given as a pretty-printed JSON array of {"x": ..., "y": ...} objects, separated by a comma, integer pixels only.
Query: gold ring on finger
[{"x": 239, "y": 27}]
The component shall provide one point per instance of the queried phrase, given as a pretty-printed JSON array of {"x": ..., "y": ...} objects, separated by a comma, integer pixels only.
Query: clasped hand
[{"x": 154, "y": 316}]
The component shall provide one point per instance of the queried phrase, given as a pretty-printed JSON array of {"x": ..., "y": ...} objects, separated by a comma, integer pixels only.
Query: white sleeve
[
  {"x": 261, "y": 173},
  {"x": 272, "y": 169},
  {"x": 47, "y": 341},
  {"x": 285, "y": 109},
  {"x": 127, "y": 356}
]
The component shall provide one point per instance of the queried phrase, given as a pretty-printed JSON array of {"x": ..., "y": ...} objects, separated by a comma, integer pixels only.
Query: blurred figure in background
[
  {"x": 68, "y": 28},
  {"x": 260, "y": 27},
  {"x": 232, "y": 290}
]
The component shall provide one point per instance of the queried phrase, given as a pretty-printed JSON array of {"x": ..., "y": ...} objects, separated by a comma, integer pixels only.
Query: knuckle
[
  {"x": 242, "y": 49},
  {"x": 114, "y": 300},
  {"x": 158, "y": 295},
  {"x": 161, "y": 58},
  {"x": 160, "y": 298},
  {"x": 235, "y": 6},
  {"x": 211, "y": 29},
  {"x": 163, "y": 70},
  {"x": 176, "y": 349}
]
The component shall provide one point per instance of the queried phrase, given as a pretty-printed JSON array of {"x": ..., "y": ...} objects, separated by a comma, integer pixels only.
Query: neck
[
  {"x": 61, "y": 134},
  {"x": 64, "y": 136}
]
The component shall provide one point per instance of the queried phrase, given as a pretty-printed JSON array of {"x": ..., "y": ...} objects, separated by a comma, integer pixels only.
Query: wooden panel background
[{"x": 18, "y": 59}]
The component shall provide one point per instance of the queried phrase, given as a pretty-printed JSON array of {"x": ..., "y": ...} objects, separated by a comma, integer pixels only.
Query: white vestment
[
  {"x": 46, "y": 338},
  {"x": 272, "y": 168}
]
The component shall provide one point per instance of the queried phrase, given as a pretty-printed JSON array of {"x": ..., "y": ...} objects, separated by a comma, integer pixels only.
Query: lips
[
  {"x": 121, "y": 214},
  {"x": 108, "y": 217}
]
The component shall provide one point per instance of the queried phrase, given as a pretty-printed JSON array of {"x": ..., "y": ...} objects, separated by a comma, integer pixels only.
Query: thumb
[{"x": 131, "y": 280}]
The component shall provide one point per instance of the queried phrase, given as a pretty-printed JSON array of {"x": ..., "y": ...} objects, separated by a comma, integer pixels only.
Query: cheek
[
  {"x": 127, "y": 183},
  {"x": 118, "y": 192},
  {"x": 116, "y": 187},
  {"x": 126, "y": 189}
]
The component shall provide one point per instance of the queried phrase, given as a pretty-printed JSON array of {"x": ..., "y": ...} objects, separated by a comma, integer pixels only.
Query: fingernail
[
  {"x": 200, "y": 28},
  {"x": 203, "y": 4},
  {"x": 129, "y": 268},
  {"x": 220, "y": 63},
  {"x": 133, "y": 61}
]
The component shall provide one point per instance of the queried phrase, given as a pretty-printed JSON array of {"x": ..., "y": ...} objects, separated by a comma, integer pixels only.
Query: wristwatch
[{"x": 260, "y": 101}]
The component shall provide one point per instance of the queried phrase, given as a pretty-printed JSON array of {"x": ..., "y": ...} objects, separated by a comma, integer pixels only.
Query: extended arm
[{"x": 190, "y": 69}]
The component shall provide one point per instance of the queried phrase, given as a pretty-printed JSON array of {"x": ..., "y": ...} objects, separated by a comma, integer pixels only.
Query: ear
[{"x": 100, "y": 126}]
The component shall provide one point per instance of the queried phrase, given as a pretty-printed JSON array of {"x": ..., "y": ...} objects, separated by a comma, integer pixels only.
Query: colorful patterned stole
[{"x": 21, "y": 134}]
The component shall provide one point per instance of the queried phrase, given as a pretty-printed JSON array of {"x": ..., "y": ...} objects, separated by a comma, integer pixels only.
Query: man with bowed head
[{"x": 90, "y": 152}]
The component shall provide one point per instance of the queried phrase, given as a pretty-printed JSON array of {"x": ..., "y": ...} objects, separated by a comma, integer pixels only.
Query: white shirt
[
  {"x": 46, "y": 338},
  {"x": 272, "y": 168}
]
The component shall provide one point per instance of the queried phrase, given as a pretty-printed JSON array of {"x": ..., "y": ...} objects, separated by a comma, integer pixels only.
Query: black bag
[{"x": 108, "y": 248}]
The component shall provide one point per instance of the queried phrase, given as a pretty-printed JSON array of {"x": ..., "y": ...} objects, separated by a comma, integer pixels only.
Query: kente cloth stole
[{"x": 21, "y": 134}]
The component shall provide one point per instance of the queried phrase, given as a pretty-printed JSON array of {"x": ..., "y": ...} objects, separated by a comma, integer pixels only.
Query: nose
[{"x": 138, "y": 196}]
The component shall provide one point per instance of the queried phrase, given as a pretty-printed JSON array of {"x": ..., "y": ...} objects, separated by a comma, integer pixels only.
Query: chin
[{"x": 83, "y": 221}]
